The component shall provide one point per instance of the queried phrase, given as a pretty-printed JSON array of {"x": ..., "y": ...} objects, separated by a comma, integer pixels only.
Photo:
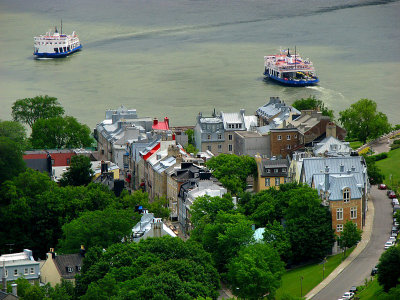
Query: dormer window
[
  {"x": 346, "y": 194},
  {"x": 78, "y": 268},
  {"x": 69, "y": 269}
]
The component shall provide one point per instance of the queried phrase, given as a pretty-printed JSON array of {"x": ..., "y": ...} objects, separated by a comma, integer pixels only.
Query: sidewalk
[{"x": 369, "y": 220}]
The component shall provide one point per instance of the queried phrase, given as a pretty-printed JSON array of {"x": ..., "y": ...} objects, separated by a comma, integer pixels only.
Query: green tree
[
  {"x": 15, "y": 131},
  {"x": 232, "y": 170},
  {"x": 79, "y": 173},
  {"x": 208, "y": 207},
  {"x": 190, "y": 134},
  {"x": 97, "y": 228},
  {"x": 60, "y": 132},
  {"x": 312, "y": 103},
  {"x": 11, "y": 162},
  {"x": 375, "y": 174},
  {"x": 350, "y": 236},
  {"x": 256, "y": 272},
  {"x": 362, "y": 121},
  {"x": 389, "y": 268},
  {"x": 277, "y": 237},
  {"x": 191, "y": 149},
  {"x": 29, "y": 110}
]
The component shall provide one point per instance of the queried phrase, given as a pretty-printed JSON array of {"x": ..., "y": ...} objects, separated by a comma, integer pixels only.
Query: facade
[
  {"x": 342, "y": 184},
  {"x": 270, "y": 173},
  {"x": 17, "y": 265},
  {"x": 57, "y": 267},
  {"x": 251, "y": 142},
  {"x": 284, "y": 141},
  {"x": 150, "y": 227}
]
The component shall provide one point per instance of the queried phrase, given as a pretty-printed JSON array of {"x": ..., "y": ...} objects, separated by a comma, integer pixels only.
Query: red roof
[{"x": 161, "y": 125}]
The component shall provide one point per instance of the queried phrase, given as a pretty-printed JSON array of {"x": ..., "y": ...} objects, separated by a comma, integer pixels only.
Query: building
[
  {"x": 332, "y": 147},
  {"x": 17, "y": 265},
  {"x": 284, "y": 141},
  {"x": 216, "y": 133},
  {"x": 251, "y": 142},
  {"x": 270, "y": 173},
  {"x": 342, "y": 183},
  {"x": 148, "y": 226},
  {"x": 57, "y": 267},
  {"x": 276, "y": 113}
]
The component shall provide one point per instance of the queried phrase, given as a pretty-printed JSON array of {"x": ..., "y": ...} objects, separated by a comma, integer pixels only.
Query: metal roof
[
  {"x": 332, "y": 146},
  {"x": 337, "y": 183}
]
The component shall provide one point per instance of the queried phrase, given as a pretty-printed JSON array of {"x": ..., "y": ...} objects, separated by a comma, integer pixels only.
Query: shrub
[{"x": 364, "y": 151}]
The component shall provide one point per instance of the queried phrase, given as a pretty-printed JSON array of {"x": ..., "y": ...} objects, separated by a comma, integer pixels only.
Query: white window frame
[
  {"x": 32, "y": 270},
  {"x": 279, "y": 137},
  {"x": 230, "y": 137},
  {"x": 288, "y": 137},
  {"x": 353, "y": 212},
  {"x": 276, "y": 170},
  {"x": 230, "y": 147},
  {"x": 283, "y": 170},
  {"x": 346, "y": 195},
  {"x": 267, "y": 182},
  {"x": 26, "y": 271},
  {"x": 277, "y": 181},
  {"x": 339, "y": 213},
  {"x": 219, "y": 148},
  {"x": 289, "y": 147},
  {"x": 220, "y": 136},
  {"x": 15, "y": 272},
  {"x": 339, "y": 227},
  {"x": 208, "y": 136}
]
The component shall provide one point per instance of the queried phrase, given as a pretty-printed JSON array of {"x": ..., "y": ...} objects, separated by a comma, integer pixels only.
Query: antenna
[{"x": 61, "y": 26}]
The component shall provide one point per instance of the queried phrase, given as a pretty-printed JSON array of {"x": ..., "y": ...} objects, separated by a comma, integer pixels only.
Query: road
[{"x": 360, "y": 268}]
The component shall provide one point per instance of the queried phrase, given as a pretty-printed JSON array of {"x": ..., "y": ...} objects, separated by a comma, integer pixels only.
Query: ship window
[
  {"x": 68, "y": 48},
  {"x": 56, "y": 50},
  {"x": 65, "y": 49}
]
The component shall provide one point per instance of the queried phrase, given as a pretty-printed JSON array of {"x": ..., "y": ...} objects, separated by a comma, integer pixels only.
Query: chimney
[
  {"x": 51, "y": 253},
  {"x": 242, "y": 111},
  {"x": 14, "y": 289},
  {"x": 173, "y": 136},
  {"x": 155, "y": 121},
  {"x": 326, "y": 179},
  {"x": 331, "y": 129},
  {"x": 166, "y": 120},
  {"x": 156, "y": 226}
]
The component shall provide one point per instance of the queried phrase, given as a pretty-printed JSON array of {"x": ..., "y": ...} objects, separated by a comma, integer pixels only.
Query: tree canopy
[
  {"x": 362, "y": 120},
  {"x": 11, "y": 162},
  {"x": 350, "y": 235},
  {"x": 79, "y": 172},
  {"x": 389, "y": 268},
  {"x": 255, "y": 272},
  {"x": 60, "y": 132},
  {"x": 15, "y": 131},
  {"x": 312, "y": 103},
  {"x": 232, "y": 170},
  {"x": 29, "y": 110},
  {"x": 154, "y": 268}
]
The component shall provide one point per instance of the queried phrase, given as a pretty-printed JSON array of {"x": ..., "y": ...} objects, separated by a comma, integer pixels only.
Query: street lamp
[{"x": 301, "y": 286}]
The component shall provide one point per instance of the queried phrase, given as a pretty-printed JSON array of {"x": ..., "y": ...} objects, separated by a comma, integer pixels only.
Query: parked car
[
  {"x": 348, "y": 295},
  {"x": 374, "y": 271},
  {"x": 353, "y": 289},
  {"x": 392, "y": 195},
  {"x": 389, "y": 244},
  {"x": 382, "y": 186},
  {"x": 395, "y": 201},
  {"x": 389, "y": 192}
]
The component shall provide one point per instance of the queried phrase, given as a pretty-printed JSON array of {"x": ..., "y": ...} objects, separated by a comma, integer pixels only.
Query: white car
[
  {"x": 392, "y": 238},
  {"x": 395, "y": 201},
  {"x": 389, "y": 244},
  {"x": 348, "y": 295}
]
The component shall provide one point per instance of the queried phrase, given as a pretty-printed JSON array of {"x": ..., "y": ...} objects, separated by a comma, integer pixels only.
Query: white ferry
[
  {"x": 55, "y": 44},
  {"x": 289, "y": 69}
]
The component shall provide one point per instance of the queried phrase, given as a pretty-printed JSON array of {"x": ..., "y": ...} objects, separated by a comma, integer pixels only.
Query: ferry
[
  {"x": 290, "y": 69},
  {"x": 55, "y": 44}
]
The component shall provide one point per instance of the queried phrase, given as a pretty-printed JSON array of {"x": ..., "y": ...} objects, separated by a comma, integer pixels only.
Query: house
[
  {"x": 331, "y": 146},
  {"x": 284, "y": 141},
  {"x": 57, "y": 267},
  {"x": 21, "y": 264},
  {"x": 251, "y": 142},
  {"x": 276, "y": 113},
  {"x": 271, "y": 172},
  {"x": 342, "y": 183},
  {"x": 148, "y": 226},
  {"x": 216, "y": 133},
  {"x": 203, "y": 184}
]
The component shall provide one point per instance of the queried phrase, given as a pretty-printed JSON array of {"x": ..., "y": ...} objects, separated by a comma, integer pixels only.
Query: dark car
[{"x": 374, "y": 271}]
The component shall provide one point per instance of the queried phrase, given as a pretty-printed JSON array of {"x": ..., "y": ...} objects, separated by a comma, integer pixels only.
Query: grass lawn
[
  {"x": 312, "y": 276},
  {"x": 356, "y": 144},
  {"x": 371, "y": 292},
  {"x": 391, "y": 166}
]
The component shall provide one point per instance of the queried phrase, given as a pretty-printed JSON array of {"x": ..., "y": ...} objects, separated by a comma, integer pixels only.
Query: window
[
  {"x": 52, "y": 162},
  {"x": 6, "y": 275},
  {"x": 267, "y": 182},
  {"x": 283, "y": 170},
  {"x": 230, "y": 137},
  {"x": 230, "y": 147},
  {"x": 32, "y": 270},
  {"x": 15, "y": 272},
  {"x": 268, "y": 170},
  {"x": 70, "y": 270},
  {"x": 68, "y": 161},
  {"x": 220, "y": 136},
  {"x": 295, "y": 136},
  {"x": 279, "y": 137},
  {"x": 346, "y": 195},
  {"x": 275, "y": 170},
  {"x": 277, "y": 181},
  {"x": 286, "y": 180},
  {"x": 288, "y": 137},
  {"x": 26, "y": 271},
  {"x": 56, "y": 50},
  {"x": 78, "y": 268},
  {"x": 208, "y": 136},
  {"x": 209, "y": 148},
  {"x": 339, "y": 227},
  {"x": 353, "y": 213},
  {"x": 289, "y": 147},
  {"x": 339, "y": 214},
  {"x": 219, "y": 148}
]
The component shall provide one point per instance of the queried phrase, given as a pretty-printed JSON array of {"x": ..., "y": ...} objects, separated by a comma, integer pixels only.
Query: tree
[
  {"x": 29, "y": 110},
  {"x": 375, "y": 174},
  {"x": 350, "y": 236},
  {"x": 256, "y": 272},
  {"x": 97, "y": 228},
  {"x": 389, "y": 268},
  {"x": 11, "y": 162},
  {"x": 232, "y": 170},
  {"x": 15, "y": 131},
  {"x": 191, "y": 149},
  {"x": 79, "y": 173},
  {"x": 59, "y": 132},
  {"x": 190, "y": 134},
  {"x": 312, "y": 103},
  {"x": 277, "y": 237},
  {"x": 362, "y": 121},
  {"x": 207, "y": 206}
]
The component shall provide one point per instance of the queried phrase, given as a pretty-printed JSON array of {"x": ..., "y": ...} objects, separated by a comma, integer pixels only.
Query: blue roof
[{"x": 337, "y": 183}]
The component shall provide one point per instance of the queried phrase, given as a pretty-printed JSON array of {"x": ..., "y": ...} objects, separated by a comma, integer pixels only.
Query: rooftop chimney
[
  {"x": 155, "y": 121},
  {"x": 326, "y": 178},
  {"x": 166, "y": 120}
]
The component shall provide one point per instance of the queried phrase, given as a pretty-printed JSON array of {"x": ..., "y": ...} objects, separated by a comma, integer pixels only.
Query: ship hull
[
  {"x": 290, "y": 82},
  {"x": 57, "y": 55}
]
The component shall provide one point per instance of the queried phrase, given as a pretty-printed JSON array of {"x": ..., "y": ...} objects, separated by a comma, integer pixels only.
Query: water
[{"x": 176, "y": 58}]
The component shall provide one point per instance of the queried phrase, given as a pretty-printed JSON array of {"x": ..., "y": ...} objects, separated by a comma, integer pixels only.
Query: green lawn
[
  {"x": 356, "y": 144},
  {"x": 390, "y": 167},
  {"x": 312, "y": 276},
  {"x": 371, "y": 292}
]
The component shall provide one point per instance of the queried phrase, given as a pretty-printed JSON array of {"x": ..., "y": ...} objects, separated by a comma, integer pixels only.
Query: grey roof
[
  {"x": 275, "y": 106},
  {"x": 337, "y": 165},
  {"x": 337, "y": 183},
  {"x": 211, "y": 120},
  {"x": 232, "y": 118},
  {"x": 164, "y": 164},
  {"x": 68, "y": 260},
  {"x": 274, "y": 164},
  {"x": 39, "y": 164},
  {"x": 331, "y": 146}
]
